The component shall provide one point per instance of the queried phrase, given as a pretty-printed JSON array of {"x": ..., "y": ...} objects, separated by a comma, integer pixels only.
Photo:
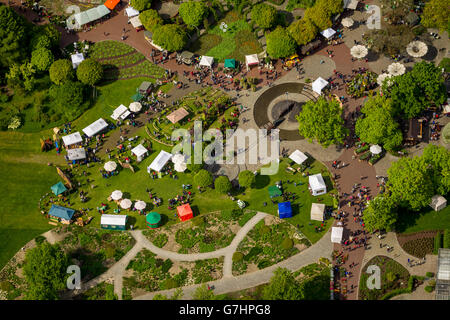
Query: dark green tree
[
  {"x": 246, "y": 179},
  {"x": 222, "y": 184},
  {"x": 68, "y": 97},
  {"x": 430, "y": 80},
  {"x": 193, "y": 12},
  {"x": 279, "y": 43},
  {"x": 42, "y": 59},
  {"x": 264, "y": 15},
  {"x": 282, "y": 286},
  {"x": 61, "y": 71},
  {"x": 203, "y": 178},
  {"x": 150, "y": 19},
  {"x": 171, "y": 37},
  {"x": 90, "y": 71},
  {"x": 39, "y": 41}
]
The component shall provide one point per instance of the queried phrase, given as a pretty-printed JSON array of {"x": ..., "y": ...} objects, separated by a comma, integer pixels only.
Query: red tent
[
  {"x": 111, "y": 4},
  {"x": 185, "y": 212}
]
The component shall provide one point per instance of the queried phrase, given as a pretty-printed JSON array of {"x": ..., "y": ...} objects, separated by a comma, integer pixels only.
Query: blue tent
[
  {"x": 58, "y": 188},
  {"x": 61, "y": 212},
  {"x": 284, "y": 210}
]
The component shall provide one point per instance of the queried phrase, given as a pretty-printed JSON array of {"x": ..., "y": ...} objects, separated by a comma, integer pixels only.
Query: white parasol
[
  {"x": 417, "y": 49},
  {"x": 375, "y": 149},
  {"x": 396, "y": 69},
  {"x": 116, "y": 195},
  {"x": 180, "y": 167},
  {"x": 140, "y": 205},
  {"x": 135, "y": 106},
  {"x": 178, "y": 158},
  {"x": 383, "y": 77},
  {"x": 359, "y": 51},
  {"x": 347, "y": 22},
  {"x": 125, "y": 204},
  {"x": 110, "y": 166}
]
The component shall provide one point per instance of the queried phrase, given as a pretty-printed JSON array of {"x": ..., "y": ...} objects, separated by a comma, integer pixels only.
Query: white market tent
[
  {"x": 139, "y": 151},
  {"x": 71, "y": 139},
  {"x": 317, "y": 211},
  {"x": 136, "y": 22},
  {"x": 113, "y": 220},
  {"x": 160, "y": 161},
  {"x": 76, "y": 154},
  {"x": 298, "y": 157},
  {"x": 131, "y": 12},
  {"x": 351, "y": 4},
  {"x": 336, "y": 234},
  {"x": 319, "y": 84},
  {"x": 328, "y": 33},
  {"x": 95, "y": 127},
  {"x": 79, "y": 19},
  {"x": 206, "y": 61},
  {"x": 251, "y": 60},
  {"x": 317, "y": 185},
  {"x": 120, "y": 110},
  {"x": 438, "y": 202},
  {"x": 77, "y": 58}
]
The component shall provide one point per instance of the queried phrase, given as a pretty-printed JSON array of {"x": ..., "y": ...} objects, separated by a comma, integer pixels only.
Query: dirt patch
[
  {"x": 270, "y": 220},
  {"x": 53, "y": 237},
  {"x": 252, "y": 268},
  {"x": 300, "y": 246},
  {"x": 403, "y": 238}
]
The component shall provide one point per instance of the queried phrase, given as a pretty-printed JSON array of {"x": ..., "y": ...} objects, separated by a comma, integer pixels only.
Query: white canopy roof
[
  {"x": 131, "y": 12},
  {"x": 95, "y": 127},
  {"x": 438, "y": 202},
  {"x": 251, "y": 59},
  {"x": 77, "y": 58},
  {"x": 319, "y": 84},
  {"x": 135, "y": 106},
  {"x": 124, "y": 115},
  {"x": 350, "y": 4},
  {"x": 119, "y": 111},
  {"x": 316, "y": 182},
  {"x": 76, "y": 154},
  {"x": 328, "y": 33},
  {"x": 180, "y": 167},
  {"x": 139, "y": 151},
  {"x": 125, "y": 203},
  {"x": 116, "y": 195},
  {"x": 113, "y": 219},
  {"x": 160, "y": 161},
  {"x": 376, "y": 149},
  {"x": 298, "y": 157},
  {"x": 317, "y": 211},
  {"x": 136, "y": 22},
  {"x": 336, "y": 234},
  {"x": 206, "y": 61},
  {"x": 72, "y": 139}
]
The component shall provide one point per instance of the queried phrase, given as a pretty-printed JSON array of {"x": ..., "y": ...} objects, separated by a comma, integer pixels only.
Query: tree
[
  {"x": 319, "y": 16},
  {"x": 40, "y": 40},
  {"x": 430, "y": 80},
  {"x": 51, "y": 32},
  {"x": 438, "y": 162},
  {"x": 68, "y": 97},
  {"x": 322, "y": 120},
  {"x": 171, "y": 37},
  {"x": 264, "y": 15},
  {"x": 381, "y": 214},
  {"x": 390, "y": 40},
  {"x": 302, "y": 31},
  {"x": 435, "y": 14},
  {"x": 246, "y": 178},
  {"x": 222, "y": 184},
  {"x": 282, "y": 286},
  {"x": 141, "y": 5},
  {"x": 150, "y": 19},
  {"x": 203, "y": 178},
  {"x": 194, "y": 167},
  {"x": 45, "y": 272},
  {"x": 279, "y": 43},
  {"x": 42, "y": 59},
  {"x": 90, "y": 71},
  {"x": 192, "y": 12},
  {"x": 379, "y": 126},
  {"x": 61, "y": 71},
  {"x": 332, "y": 7},
  {"x": 22, "y": 75}
]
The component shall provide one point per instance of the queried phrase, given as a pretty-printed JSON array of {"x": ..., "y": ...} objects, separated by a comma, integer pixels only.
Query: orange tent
[
  {"x": 185, "y": 212},
  {"x": 111, "y": 4}
]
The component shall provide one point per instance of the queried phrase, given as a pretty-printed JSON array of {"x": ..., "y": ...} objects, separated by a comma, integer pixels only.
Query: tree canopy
[
  {"x": 60, "y": 71},
  {"x": 203, "y": 178},
  {"x": 68, "y": 97},
  {"x": 302, "y": 31},
  {"x": 150, "y": 19},
  {"x": 319, "y": 16},
  {"x": 222, "y": 184},
  {"x": 42, "y": 59},
  {"x": 322, "y": 120},
  {"x": 381, "y": 214},
  {"x": 246, "y": 178},
  {"x": 438, "y": 162},
  {"x": 279, "y": 43},
  {"x": 282, "y": 286},
  {"x": 171, "y": 37},
  {"x": 90, "y": 71},
  {"x": 264, "y": 15},
  {"x": 436, "y": 14},
  {"x": 193, "y": 12},
  {"x": 332, "y": 7},
  {"x": 141, "y": 5}
]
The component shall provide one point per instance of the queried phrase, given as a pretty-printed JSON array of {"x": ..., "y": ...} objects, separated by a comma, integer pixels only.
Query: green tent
[
  {"x": 274, "y": 191},
  {"x": 137, "y": 97},
  {"x": 58, "y": 188},
  {"x": 153, "y": 219},
  {"x": 230, "y": 63}
]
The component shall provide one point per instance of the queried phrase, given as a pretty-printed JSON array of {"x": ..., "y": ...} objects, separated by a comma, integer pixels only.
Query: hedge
[
  {"x": 446, "y": 243},
  {"x": 362, "y": 149},
  {"x": 437, "y": 242}
]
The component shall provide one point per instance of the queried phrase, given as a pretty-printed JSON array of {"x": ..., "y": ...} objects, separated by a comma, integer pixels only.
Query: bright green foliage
[
  {"x": 141, "y": 5},
  {"x": 13, "y": 37},
  {"x": 51, "y": 32},
  {"x": 222, "y": 184},
  {"x": 22, "y": 75},
  {"x": 67, "y": 96},
  {"x": 203, "y": 293},
  {"x": 42, "y": 59},
  {"x": 90, "y": 71},
  {"x": 322, "y": 120},
  {"x": 436, "y": 14},
  {"x": 378, "y": 126},
  {"x": 246, "y": 178},
  {"x": 319, "y": 17},
  {"x": 380, "y": 214},
  {"x": 194, "y": 167},
  {"x": 282, "y": 286},
  {"x": 279, "y": 43},
  {"x": 61, "y": 71},
  {"x": 332, "y": 7},
  {"x": 302, "y": 31},
  {"x": 203, "y": 178},
  {"x": 171, "y": 37},
  {"x": 45, "y": 272},
  {"x": 193, "y": 12},
  {"x": 150, "y": 19},
  {"x": 429, "y": 78},
  {"x": 438, "y": 162},
  {"x": 39, "y": 41},
  {"x": 264, "y": 15}
]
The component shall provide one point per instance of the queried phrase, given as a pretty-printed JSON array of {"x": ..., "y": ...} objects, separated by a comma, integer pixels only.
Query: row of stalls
[{"x": 84, "y": 18}]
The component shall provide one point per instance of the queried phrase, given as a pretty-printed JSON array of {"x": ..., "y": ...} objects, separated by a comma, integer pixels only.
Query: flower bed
[
  {"x": 362, "y": 149},
  {"x": 375, "y": 159},
  {"x": 361, "y": 83},
  {"x": 365, "y": 156}
]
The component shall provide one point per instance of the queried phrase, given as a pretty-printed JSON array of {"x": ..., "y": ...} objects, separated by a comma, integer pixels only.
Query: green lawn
[{"x": 426, "y": 219}]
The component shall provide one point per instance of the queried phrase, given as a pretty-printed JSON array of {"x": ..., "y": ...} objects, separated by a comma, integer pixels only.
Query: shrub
[
  {"x": 430, "y": 274},
  {"x": 263, "y": 230},
  {"x": 90, "y": 72},
  {"x": 150, "y": 19},
  {"x": 6, "y": 286},
  {"x": 429, "y": 289},
  {"x": 237, "y": 256},
  {"x": 61, "y": 71},
  {"x": 141, "y": 5},
  {"x": 203, "y": 178},
  {"x": 222, "y": 184},
  {"x": 264, "y": 15},
  {"x": 170, "y": 283},
  {"x": 40, "y": 239},
  {"x": 246, "y": 178},
  {"x": 42, "y": 59},
  {"x": 287, "y": 244}
]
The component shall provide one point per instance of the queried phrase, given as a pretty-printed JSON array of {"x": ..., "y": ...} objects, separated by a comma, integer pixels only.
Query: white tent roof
[
  {"x": 160, "y": 161},
  {"x": 76, "y": 154},
  {"x": 350, "y": 4},
  {"x": 95, "y": 127},
  {"x": 316, "y": 182},
  {"x": 72, "y": 139},
  {"x": 437, "y": 201},
  {"x": 207, "y": 61},
  {"x": 124, "y": 115},
  {"x": 119, "y": 111},
  {"x": 319, "y": 84},
  {"x": 131, "y": 12},
  {"x": 77, "y": 58},
  {"x": 328, "y": 33},
  {"x": 139, "y": 150},
  {"x": 336, "y": 234},
  {"x": 298, "y": 157},
  {"x": 136, "y": 22},
  {"x": 317, "y": 211},
  {"x": 113, "y": 219},
  {"x": 251, "y": 59}
]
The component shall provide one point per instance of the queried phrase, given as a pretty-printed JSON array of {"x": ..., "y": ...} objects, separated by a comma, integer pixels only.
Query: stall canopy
[
  {"x": 139, "y": 151},
  {"x": 285, "y": 210},
  {"x": 230, "y": 63},
  {"x": 136, "y": 22},
  {"x": 319, "y": 84},
  {"x": 328, "y": 33},
  {"x": 317, "y": 185},
  {"x": 177, "y": 115},
  {"x": 251, "y": 59},
  {"x": 71, "y": 139},
  {"x": 145, "y": 87},
  {"x": 90, "y": 15},
  {"x": 113, "y": 220},
  {"x": 274, "y": 191},
  {"x": 317, "y": 211},
  {"x": 351, "y": 4},
  {"x": 185, "y": 212},
  {"x": 131, "y": 12},
  {"x": 77, "y": 58},
  {"x": 58, "y": 188},
  {"x": 298, "y": 157},
  {"x": 206, "y": 61},
  {"x": 95, "y": 127},
  {"x": 336, "y": 234},
  {"x": 111, "y": 4},
  {"x": 153, "y": 219},
  {"x": 61, "y": 212},
  {"x": 160, "y": 161},
  {"x": 120, "y": 110},
  {"x": 76, "y": 154}
]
